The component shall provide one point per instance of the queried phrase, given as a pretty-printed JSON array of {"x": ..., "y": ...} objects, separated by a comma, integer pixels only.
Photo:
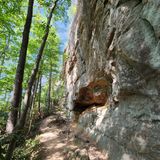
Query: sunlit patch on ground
[{"x": 58, "y": 142}]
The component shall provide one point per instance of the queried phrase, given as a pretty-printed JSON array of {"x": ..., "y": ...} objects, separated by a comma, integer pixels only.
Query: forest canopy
[{"x": 30, "y": 65}]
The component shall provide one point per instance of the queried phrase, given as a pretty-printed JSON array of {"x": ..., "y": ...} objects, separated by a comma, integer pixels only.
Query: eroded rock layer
[{"x": 114, "y": 61}]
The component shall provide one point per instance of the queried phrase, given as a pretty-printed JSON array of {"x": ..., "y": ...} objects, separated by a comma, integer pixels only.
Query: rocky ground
[{"x": 59, "y": 142}]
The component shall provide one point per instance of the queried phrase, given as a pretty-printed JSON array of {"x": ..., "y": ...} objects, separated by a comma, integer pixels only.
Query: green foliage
[
  {"x": 26, "y": 151},
  {"x": 3, "y": 118},
  {"x": 72, "y": 10},
  {"x": 62, "y": 8},
  {"x": 12, "y": 19},
  {"x": 8, "y": 11},
  {"x": 65, "y": 56},
  {"x": 46, "y": 3}
]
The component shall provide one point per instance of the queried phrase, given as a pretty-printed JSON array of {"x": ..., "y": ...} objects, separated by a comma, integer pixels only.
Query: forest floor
[{"x": 58, "y": 142}]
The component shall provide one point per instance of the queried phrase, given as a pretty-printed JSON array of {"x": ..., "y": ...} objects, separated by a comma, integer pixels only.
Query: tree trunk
[
  {"x": 49, "y": 89},
  {"x": 46, "y": 100},
  {"x": 27, "y": 97},
  {"x": 3, "y": 55},
  {"x": 10, "y": 149},
  {"x": 30, "y": 118},
  {"x": 17, "y": 91},
  {"x": 39, "y": 96},
  {"x": 7, "y": 101},
  {"x": 34, "y": 90},
  {"x": 35, "y": 70},
  {"x": 2, "y": 63}
]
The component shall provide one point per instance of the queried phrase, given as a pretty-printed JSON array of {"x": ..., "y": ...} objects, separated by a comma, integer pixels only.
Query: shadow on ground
[{"x": 58, "y": 142}]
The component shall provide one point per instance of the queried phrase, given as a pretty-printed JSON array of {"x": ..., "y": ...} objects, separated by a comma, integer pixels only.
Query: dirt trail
[{"x": 58, "y": 143}]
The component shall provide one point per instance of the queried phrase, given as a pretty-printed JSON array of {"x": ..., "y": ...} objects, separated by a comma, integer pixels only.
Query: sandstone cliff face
[{"x": 114, "y": 62}]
